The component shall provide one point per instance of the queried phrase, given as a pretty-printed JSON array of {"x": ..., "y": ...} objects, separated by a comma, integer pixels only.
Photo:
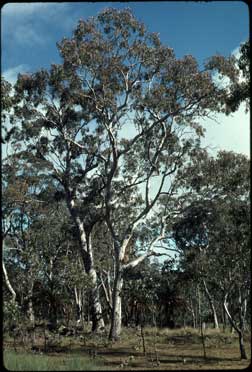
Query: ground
[{"x": 165, "y": 349}]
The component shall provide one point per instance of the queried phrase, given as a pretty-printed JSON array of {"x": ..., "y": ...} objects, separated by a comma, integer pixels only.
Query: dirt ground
[{"x": 164, "y": 350}]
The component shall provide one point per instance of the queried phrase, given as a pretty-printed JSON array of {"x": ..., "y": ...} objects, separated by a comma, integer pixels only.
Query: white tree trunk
[
  {"x": 97, "y": 319},
  {"x": 30, "y": 306},
  {"x": 238, "y": 329},
  {"x": 191, "y": 310},
  {"x": 116, "y": 321},
  {"x": 8, "y": 283},
  {"x": 86, "y": 251},
  {"x": 212, "y": 306},
  {"x": 79, "y": 303},
  {"x": 120, "y": 252}
]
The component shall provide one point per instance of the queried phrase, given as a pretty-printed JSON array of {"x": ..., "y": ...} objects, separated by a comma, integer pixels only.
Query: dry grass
[{"x": 175, "y": 350}]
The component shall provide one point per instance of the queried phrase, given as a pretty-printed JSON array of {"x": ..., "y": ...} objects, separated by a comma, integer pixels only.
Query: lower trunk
[
  {"x": 212, "y": 306},
  {"x": 216, "y": 323},
  {"x": 193, "y": 317},
  {"x": 116, "y": 321},
  {"x": 79, "y": 306},
  {"x": 96, "y": 310},
  {"x": 30, "y": 307},
  {"x": 192, "y": 312},
  {"x": 86, "y": 252},
  {"x": 239, "y": 330},
  {"x": 242, "y": 348},
  {"x": 224, "y": 320}
]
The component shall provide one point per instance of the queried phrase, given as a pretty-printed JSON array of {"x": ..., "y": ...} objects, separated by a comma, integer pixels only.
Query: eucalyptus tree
[
  {"x": 240, "y": 90},
  {"x": 159, "y": 100},
  {"x": 28, "y": 228},
  {"x": 19, "y": 199},
  {"x": 117, "y": 116},
  {"x": 213, "y": 231}
]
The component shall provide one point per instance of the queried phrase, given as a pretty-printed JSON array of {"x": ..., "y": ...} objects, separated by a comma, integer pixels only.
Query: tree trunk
[
  {"x": 191, "y": 310},
  {"x": 86, "y": 252},
  {"x": 116, "y": 321},
  {"x": 238, "y": 329},
  {"x": 224, "y": 320},
  {"x": 242, "y": 316},
  {"x": 96, "y": 309},
  {"x": 79, "y": 305},
  {"x": 212, "y": 306},
  {"x": 242, "y": 347},
  {"x": 30, "y": 306},
  {"x": 198, "y": 297},
  {"x": 8, "y": 283}
]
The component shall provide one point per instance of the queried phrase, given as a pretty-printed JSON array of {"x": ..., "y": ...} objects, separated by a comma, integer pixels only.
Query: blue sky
[{"x": 30, "y": 32}]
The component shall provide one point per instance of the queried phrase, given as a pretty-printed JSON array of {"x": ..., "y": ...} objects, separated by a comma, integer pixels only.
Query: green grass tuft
[{"x": 31, "y": 362}]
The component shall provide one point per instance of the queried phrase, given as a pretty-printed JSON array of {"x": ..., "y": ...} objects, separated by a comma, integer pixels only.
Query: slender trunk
[
  {"x": 116, "y": 321},
  {"x": 242, "y": 315},
  {"x": 86, "y": 252},
  {"x": 107, "y": 290},
  {"x": 224, "y": 320},
  {"x": 79, "y": 308},
  {"x": 191, "y": 309},
  {"x": 202, "y": 326},
  {"x": 242, "y": 347},
  {"x": 212, "y": 306},
  {"x": 30, "y": 306},
  {"x": 199, "y": 306},
  {"x": 96, "y": 309},
  {"x": 8, "y": 283},
  {"x": 238, "y": 329}
]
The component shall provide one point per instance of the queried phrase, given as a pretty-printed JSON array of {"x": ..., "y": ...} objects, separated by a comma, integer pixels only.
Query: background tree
[{"x": 214, "y": 231}]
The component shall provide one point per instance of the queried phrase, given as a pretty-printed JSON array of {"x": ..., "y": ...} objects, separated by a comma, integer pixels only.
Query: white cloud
[
  {"x": 11, "y": 73},
  {"x": 231, "y": 134},
  {"x": 21, "y": 22},
  {"x": 29, "y": 9}
]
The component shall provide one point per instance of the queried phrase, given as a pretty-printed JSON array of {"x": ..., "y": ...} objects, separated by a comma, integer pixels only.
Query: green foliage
[
  {"x": 237, "y": 70},
  {"x": 12, "y": 314}
]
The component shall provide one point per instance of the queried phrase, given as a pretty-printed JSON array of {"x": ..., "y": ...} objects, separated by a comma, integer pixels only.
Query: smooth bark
[
  {"x": 8, "y": 283},
  {"x": 239, "y": 330},
  {"x": 79, "y": 305},
  {"x": 116, "y": 321},
  {"x": 212, "y": 306},
  {"x": 30, "y": 306},
  {"x": 86, "y": 252}
]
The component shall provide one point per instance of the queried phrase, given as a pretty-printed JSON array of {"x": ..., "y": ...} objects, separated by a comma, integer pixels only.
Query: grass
[
  {"x": 178, "y": 349},
  {"x": 19, "y": 361}
]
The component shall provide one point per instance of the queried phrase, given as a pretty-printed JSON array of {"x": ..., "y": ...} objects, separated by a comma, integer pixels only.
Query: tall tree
[{"x": 112, "y": 117}]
